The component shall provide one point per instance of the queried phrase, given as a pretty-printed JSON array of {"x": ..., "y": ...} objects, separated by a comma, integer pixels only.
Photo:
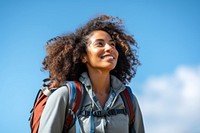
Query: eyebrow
[{"x": 103, "y": 40}]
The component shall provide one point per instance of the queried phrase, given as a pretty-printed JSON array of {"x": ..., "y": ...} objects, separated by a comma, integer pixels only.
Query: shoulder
[
  {"x": 129, "y": 95},
  {"x": 67, "y": 92},
  {"x": 61, "y": 93},
  {"x": 133, "y": 98}
]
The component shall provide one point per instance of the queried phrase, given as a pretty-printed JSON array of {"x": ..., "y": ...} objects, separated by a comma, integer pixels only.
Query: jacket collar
[{"x": 116, "y": 84}]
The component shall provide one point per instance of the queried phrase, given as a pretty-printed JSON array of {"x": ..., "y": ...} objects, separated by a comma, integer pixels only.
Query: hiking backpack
[
  {"x": 40, "y": 102},
  {"x": 44, "y": 93}
]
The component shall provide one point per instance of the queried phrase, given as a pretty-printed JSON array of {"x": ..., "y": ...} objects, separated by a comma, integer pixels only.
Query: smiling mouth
[{"x": 107, "y": 57}]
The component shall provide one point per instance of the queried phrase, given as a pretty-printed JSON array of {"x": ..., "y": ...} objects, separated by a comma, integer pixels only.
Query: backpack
[
  {"x": 77, "y": 95},
  {"x": 40, "y": 102}
]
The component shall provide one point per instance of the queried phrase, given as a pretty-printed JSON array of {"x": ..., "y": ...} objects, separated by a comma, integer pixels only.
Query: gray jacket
[{"x": 53, "y": 116}]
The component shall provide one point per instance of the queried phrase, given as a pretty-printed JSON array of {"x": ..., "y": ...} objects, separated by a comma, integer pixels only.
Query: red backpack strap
[
  {"x": 128, "y": 99},
  {"x": 74, "y": 101}
]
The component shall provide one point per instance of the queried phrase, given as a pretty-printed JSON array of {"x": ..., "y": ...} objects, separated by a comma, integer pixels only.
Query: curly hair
[{"x": 63, "y": 60}]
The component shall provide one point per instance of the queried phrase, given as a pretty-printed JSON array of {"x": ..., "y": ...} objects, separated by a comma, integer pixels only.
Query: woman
[{"x": 99, "y": 56}]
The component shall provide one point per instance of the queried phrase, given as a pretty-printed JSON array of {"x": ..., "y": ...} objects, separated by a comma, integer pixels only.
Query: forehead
[{"x": 99, "y": 34}]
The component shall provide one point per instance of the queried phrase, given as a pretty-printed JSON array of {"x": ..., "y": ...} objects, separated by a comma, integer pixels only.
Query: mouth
[{"x": 107, "y": 57}]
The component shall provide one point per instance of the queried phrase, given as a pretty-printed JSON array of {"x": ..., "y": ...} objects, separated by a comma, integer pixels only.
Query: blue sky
[{"x": 167, "y": 32}]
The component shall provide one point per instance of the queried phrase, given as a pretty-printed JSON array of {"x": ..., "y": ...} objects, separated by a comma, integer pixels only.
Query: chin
[{"x": 110, "y": 68}]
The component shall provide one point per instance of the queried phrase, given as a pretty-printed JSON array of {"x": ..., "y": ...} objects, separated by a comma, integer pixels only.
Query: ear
[{"x": 83, "y": 58}]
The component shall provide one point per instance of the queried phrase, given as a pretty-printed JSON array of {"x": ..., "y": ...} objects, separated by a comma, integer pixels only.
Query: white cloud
[{"x": 171, "y": 103}]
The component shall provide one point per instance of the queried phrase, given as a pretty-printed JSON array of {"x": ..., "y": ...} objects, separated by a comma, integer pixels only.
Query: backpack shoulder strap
[
  {"x": 128, "y": 99},
  {"x": 75, "y": 98},
  {"x": 39, "y": 104}
]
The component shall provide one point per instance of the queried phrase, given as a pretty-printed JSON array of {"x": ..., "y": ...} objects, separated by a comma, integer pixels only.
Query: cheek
[{"x": 93, "y": 53}]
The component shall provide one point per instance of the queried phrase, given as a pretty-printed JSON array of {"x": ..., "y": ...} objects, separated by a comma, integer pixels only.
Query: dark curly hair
[{"x": 63, "y": 60}]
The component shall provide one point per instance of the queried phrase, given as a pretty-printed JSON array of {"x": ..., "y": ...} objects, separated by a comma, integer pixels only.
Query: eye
[
  {"x": 113, "y": 44},
  {"x": 99, "y": 44}
]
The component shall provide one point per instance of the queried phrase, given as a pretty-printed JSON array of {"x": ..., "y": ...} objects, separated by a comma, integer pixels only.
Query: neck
[{"x": 100, "y": 82}]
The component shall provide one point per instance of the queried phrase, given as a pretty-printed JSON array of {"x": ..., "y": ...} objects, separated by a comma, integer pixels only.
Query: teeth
[{"x": 109, "y": 57}]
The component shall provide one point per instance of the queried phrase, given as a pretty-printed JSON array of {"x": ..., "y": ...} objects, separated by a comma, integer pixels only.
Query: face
[{"x": 101, "y": 52}]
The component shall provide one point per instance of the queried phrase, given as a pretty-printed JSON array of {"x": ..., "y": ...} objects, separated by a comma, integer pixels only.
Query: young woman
[{"x": 99, "y": 56}]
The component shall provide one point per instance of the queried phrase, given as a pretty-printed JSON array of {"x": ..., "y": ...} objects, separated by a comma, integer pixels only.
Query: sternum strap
[{"x": 102, "y": 113}]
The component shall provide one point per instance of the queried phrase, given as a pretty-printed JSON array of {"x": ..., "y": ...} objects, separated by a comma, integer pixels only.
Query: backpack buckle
[
  {"x": 46, "y": 82},
  {"x": 100, "y": 113},
  {"x": 46, "y": 91}
]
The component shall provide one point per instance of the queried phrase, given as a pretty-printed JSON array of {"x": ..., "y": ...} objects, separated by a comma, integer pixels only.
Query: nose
[{"x": 108, "y": 47}]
